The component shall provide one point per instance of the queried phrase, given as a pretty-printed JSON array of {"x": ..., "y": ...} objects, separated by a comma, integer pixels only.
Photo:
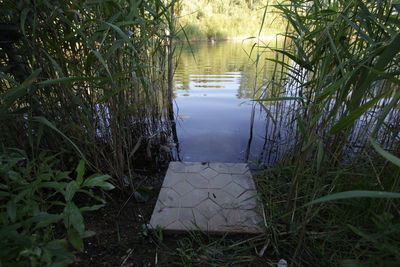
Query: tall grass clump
[
  {"x": 341, "y": 85},
  {"x": 86, "y": 76}
]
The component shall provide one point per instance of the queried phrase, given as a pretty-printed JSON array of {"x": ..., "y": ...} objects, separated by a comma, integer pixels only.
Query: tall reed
[
  {"x": 342, "y": 88},
  {"x": 96, "y": 70}
]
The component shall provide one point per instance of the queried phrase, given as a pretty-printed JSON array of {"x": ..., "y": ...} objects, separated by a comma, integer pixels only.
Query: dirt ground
[{"x": 121, "y": 236}]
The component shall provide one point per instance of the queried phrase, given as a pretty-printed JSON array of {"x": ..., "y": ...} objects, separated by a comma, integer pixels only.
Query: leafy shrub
[{"x": 39, "y": 218}]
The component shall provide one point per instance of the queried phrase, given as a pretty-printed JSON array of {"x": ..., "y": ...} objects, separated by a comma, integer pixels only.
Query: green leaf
[
  {"x": 73, "y": 217},
  {"x": 296, "y": 59},
  {"x": 71, "y": 79},
  {"x": 59, "y": 248},
  {"x": 24, "y": 15},
  {"x": 102, "y": 61},
  {"x": 351, "y": 263},
  {"x": 121, "y": 34},
  {"x": 99, "y": 181},
  {"x": 390, "y": 157},
  {"x": 11, "y": 95},
  {"x": 88, "y": 234},
  {"x": 320, "y": 155},
  {"x": 59, "y": 186},
  {"x": 348, "y": 120},
  {"x": 91, "y": 208},
  {"x": 44, "y": 219},
  {"x": 12, "y": 210},
  {"x": 44, "y": 121},
  {"x": 75, "y": 239},
  {"x": 280, "y": 99},
  {"x": 80, "y": 170},
  {"x": 70, "y": 191},
  {"x": 354, "y": 194},
  {"x": 7, "y": 230}
]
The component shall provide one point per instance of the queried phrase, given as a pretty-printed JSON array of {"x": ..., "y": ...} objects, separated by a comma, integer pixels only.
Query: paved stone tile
[
  {"x": 220, "y": 167},
  {"x": 169, "y": 198},
  {"x": 183, "y": 187},
  {"x": 244, "y": 180},
  {"x": 164, "y": 217},
  {"x": 222, "y": 198},
  {"x": 215, "y": 197},
  {"x": 172, "y": 178},
  {"x": 194, "y": 198},
  {"x": 239, "y": 168},
  {"x": 208, "y": 208},
  {"x": 198, "y": 181},
  {"x": 208, "y": 173},
  {"x": 218, "y": 221},
  {"x": 176, "y": 226},
  {"x": 234, "y": 189},
  {"x": 220, "y": 181},
  {"x": 195, "y": 167},
  {"x": 177, "y": 166},
  {"x": 192, "y": 219}
]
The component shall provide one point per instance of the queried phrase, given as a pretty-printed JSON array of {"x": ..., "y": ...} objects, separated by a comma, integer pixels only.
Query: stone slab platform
[{"x": 213, "y": 197}]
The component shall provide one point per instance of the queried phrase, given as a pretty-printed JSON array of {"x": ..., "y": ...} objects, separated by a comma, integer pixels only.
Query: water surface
[{"x": 214, "y": 86}]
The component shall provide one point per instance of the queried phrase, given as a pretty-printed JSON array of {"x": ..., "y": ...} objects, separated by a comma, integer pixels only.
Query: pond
[{"x": 216, "y": 119}]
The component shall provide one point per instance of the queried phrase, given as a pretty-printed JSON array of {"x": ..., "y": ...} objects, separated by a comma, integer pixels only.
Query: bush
[{"x": 39, "y": 218}]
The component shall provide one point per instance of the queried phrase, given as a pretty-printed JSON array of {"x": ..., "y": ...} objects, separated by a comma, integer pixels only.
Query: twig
[{"x": 126, "y": 258}]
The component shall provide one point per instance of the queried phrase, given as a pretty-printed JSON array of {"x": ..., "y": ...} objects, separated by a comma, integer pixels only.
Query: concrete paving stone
[
  {"x": 194, "y": 198},
  {"x": 169, "y": 198},
  {"x": 196, "y": 166},
  {"x": 159, "y": 206},
  {"x": 176, "y": 226},
  {"x": 164, "y": 217},
  {"x": 217, "y": 197},
  {"x": 183, "y": 187},
  {"x": 253, "y": 218},
  {"x": 217, "y": 222},
  {"x": 220, "y": 167},
  {"x": 208, "y": 173},
  {"x": 242, "y": 220},
  {"x": 244, "y": 180},
  {"x": 198, "y": 181},
  {"x": 177, "y": 166},
  {"x": 230, "y": 164},
  {"x": 248, "y": 200},
  {"x": 192, "y": 219},
  {"x": 172, "y": 178},
  {"x": 208, "y": 208},
  {"x": 222, "y": 199},
  {"x": 234, "y": 189},
  {"x": 239, "y": 168},
  {"x": 220, "y": 181}
]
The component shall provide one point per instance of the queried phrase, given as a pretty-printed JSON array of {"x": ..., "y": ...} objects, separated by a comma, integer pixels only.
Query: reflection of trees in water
[{"x": 223, "y": 58}]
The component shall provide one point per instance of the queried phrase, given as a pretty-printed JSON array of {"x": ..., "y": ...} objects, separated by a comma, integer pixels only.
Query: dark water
[{"x": 214, "y": 86}]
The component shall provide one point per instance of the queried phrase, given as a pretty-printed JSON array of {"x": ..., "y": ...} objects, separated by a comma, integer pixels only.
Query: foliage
[
  {"x": 96, "y": 70},
  {"x": 39, "y": 215},
  {"x": 333, "y": 232},
  {"x": 226, "y": 19},
  {"x": 339, "y": 93}
]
